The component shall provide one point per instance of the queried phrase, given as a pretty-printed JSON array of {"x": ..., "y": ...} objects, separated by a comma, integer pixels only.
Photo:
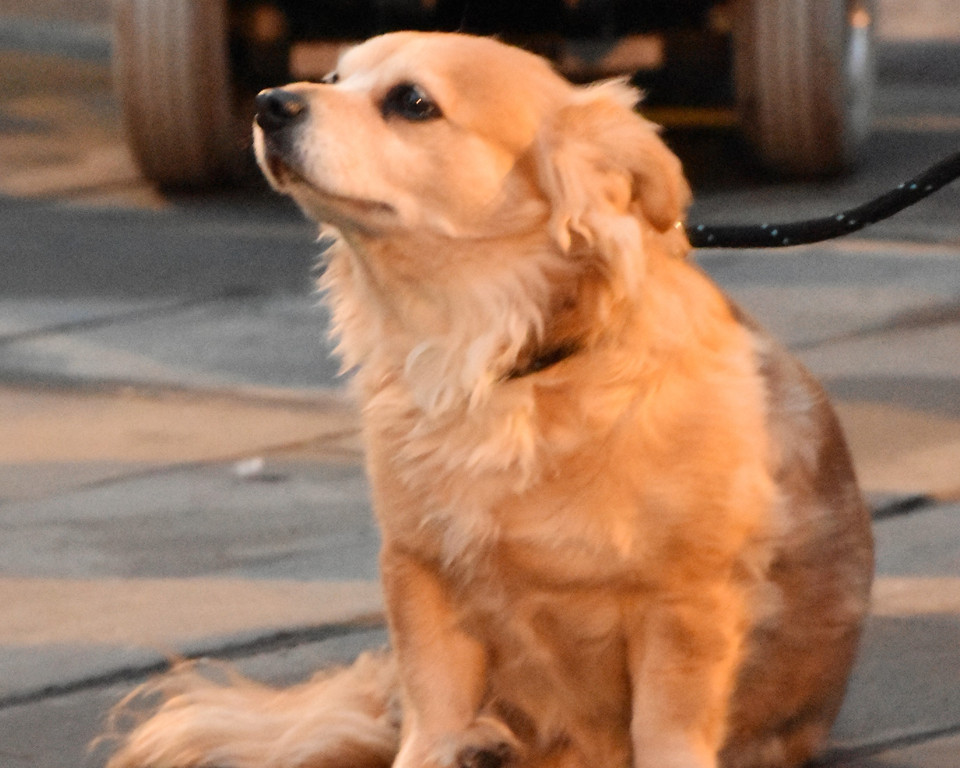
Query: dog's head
[
  {"x": 463, "y": 137},
  {"x": 462, "y": 168}
]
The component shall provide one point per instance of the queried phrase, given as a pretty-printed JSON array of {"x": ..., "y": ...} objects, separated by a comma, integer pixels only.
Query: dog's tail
[{"x": 349, "y": 719}]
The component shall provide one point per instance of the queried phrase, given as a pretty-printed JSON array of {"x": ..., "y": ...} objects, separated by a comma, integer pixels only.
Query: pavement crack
[
  {"x": 102, "y": 321},
  {"x": 220, "y": 460},
  {"x": 268, "y": 643},
  {"x": 141, "y": 314},
  {"x": 840, "y": 755},
  {"x": 918, "y": 319},
  {"x": 899, "y": 506}
]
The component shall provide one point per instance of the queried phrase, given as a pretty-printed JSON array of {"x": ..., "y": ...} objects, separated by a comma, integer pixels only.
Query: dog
[{"x": 620, "y": 525}]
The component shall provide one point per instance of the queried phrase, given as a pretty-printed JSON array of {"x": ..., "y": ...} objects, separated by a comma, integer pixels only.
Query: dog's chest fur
[
  {"x": 614, "y": 462},
  {"x": 571, "y": 485}
]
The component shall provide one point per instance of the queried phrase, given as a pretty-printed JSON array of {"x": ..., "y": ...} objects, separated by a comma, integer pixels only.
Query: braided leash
[{"x": 828, "y": 227}]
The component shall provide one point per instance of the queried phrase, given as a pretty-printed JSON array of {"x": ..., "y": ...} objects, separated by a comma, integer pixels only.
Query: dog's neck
[
  {"x": 456, "y": 321},
  {"x": 454, "y": 330}
]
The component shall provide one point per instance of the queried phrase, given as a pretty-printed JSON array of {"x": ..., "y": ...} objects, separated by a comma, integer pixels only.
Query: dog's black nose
[{"x": 278, "y": 108}]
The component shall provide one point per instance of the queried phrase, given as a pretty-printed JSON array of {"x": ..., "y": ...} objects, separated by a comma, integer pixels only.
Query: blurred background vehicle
[{"x": 800, "y": 73}]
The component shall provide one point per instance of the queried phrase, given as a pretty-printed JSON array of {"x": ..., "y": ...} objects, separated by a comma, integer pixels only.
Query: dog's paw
[
  {"x": 488, "y": 743},
  {"x": 494, "y": 756}
]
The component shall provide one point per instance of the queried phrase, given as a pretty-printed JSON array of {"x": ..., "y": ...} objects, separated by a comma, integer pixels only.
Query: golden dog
[{"x": 620, "y": 524}]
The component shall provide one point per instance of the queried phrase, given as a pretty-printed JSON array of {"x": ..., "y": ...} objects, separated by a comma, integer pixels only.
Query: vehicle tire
[
  {"x": 804, "y": 74},
  {"x": 172, "y": 70}
]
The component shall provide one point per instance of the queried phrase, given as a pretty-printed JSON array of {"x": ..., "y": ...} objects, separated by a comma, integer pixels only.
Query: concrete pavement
[
  {"x": 231, "y": 520},
  {"x": 180, "y": 472}
]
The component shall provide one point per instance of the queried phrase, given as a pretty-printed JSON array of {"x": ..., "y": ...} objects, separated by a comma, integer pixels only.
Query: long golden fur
[{"x": 620, "y": 525}]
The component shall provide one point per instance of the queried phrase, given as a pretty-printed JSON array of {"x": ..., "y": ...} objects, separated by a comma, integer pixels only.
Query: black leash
[
  {"x": 828, "y": 227},
  {"x": 780, "y": 235}
]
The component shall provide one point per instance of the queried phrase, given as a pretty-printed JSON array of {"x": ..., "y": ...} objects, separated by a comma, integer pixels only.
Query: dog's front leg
[
  {"x": 443, "y": 673},
  {"x": 683, "y": 655}
]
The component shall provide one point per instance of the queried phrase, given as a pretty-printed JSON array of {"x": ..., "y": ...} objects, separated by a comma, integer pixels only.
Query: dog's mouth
[
  {"x": 286, "y": 177},
  {"x": 279, "y": 170}
]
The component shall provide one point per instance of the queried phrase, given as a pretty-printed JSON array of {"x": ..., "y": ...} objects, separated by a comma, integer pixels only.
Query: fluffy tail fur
[{"x": 349, "y": 719}]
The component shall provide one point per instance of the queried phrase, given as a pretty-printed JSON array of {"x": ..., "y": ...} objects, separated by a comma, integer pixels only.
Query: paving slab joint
[
  {"x": 945, "y": 313},
  {"x": 838, "y": 756},
  {"x": 273, "y": 642},
  {"x": 141, "y": 314},
  {"x": 898, "y": 506},
  {"x": 103, "y": 321}
]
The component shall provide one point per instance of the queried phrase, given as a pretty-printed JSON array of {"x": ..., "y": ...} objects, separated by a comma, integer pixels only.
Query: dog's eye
[
  {"x": 330, "y": 78},
  {"x": 409, "y": 102}
]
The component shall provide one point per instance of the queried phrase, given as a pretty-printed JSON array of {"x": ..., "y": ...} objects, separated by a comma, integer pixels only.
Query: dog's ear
[{"x": 602, "y": 166}]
